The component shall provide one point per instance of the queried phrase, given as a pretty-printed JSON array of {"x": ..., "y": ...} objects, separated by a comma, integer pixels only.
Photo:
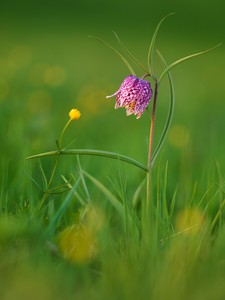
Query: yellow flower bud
[{"x": 74, "y": 114}]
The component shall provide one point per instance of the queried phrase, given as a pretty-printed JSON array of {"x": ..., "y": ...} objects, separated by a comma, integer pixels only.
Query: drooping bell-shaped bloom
[{"x": 134, "y": 94}]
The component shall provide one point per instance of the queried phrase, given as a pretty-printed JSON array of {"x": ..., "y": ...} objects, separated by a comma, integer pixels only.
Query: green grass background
[{"x": 48, "y": 65}]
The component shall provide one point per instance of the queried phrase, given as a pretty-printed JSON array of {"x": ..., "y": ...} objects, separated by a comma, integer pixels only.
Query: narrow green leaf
[
  {"x": 117, "y": 52},
  {"x": 130, "y": 219},
  {"x": 152, "y": 46},
  {"x": 136, "y": 61},
  {"x": 168, "y": 68},
  {"x": 220, "y": 178},
  {"x": 44, "y": 179},
  {"x": 75, "y": 193},
  {"x": 217, "y": 216},
  {"x": 135, "y": 198},
  {"x": 112, "y": 199},
  {"x": 102, "y": 153},
  {"x": 158, "y": 220},
  {"x": 83, "y": 180},
  {"x": 58, "y": 189},
  {"x": 55, "y": 221},
  {"x": 33, "y": 180},
  {"x": 170, "y": 114},
  {"x": 193, "y": 195},
  {"x": 164, "y": 196},
  {"x": 172, "y": 205},
  {"x": 204, "y": 196}
]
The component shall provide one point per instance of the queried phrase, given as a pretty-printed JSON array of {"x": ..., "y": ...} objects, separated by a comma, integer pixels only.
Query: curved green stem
[
  {"x": 62, "y": 133},
  {"x": 152, "y": 46},
  {"x": 117, "y": 52},
  {"x": 170, "y": 113},
  {"x": 150, "y": 152},
  {"x": 139, "y": 64},
  {"x": 92, "y": 152},
  {"x": 168, "y": 68},
  {"x": 152, "y": 127}
]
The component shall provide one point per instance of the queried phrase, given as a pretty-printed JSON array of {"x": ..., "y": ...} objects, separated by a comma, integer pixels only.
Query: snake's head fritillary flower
[
  {"x": 134, "y": 94},
  {"x": 74, "y": 114}
]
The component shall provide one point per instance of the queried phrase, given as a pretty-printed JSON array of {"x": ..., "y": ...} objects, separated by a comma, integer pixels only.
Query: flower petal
[
  {"x": 113, "y": 94},
  {"x": 134, "y": 94}
]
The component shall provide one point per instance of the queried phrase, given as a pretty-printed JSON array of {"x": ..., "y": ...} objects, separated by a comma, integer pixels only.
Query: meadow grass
[
  {"x": 78, "y": 246},
  {"x": 81, "y": 234}
]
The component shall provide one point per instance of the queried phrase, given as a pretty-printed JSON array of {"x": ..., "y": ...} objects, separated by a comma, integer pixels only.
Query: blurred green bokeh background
[{"x": 48, "y": 65}]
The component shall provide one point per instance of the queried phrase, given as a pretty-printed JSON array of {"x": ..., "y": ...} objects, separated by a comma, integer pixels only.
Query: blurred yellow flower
[
  {"x": 189, "y": 221},
  {"x": 79, "y": 243},
  {"x": 74, "y": 114}
]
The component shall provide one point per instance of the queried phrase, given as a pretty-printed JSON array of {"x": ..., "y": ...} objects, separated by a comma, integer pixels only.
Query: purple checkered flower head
[{"x": 134, "y": 94}]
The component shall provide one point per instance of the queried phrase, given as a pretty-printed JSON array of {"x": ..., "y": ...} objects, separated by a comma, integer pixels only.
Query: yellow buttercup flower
[{"x": 74, "y": 114}]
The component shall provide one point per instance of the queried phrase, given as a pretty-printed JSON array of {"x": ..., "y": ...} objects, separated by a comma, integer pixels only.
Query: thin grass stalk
[
  {"x": 83, "y": 181},
  {"x": 220, "y": 179},
  {"x": 165, "y": 208},
  {"x": 46, "y": 194},
  {"x": 158, "y": 205},
  {"x": 126, "y": 213}
]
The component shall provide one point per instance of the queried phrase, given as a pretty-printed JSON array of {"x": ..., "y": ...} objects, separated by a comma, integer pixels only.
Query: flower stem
[
  {"x": 46, "y": 192},
  {"x": 59, "y": 142},
  {"x": 146, "y": 75},
  {"x": 62, "y": 133},
  {"x": 150, "y": 152}
]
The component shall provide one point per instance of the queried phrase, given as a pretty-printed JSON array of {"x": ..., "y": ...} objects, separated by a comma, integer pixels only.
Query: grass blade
[
  {"x": 117, "y": 52},
  {"x": 217, "y": 216},
  {"x": 172, "y": 205},
  {"x": 152, "y": 46},
  {"x": 170, "y": 114},
  {"x": 34, "y": 181},
  {"x": 83, "y": 180},
  {"x": 67, "y": 182},
  {"x": 130, "y": 220},
  {"x": 44, "y": 178},
  {"x": 102, "y": 153},
  {"x": 55, "y": 221},
  {"x": 139, "y": 64},
  {"x": 164, "y": 196},
  {"x": 135, "y": 198},
  {"x": 168, "y": 68},
  {"x": 112, "y": 199}
]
